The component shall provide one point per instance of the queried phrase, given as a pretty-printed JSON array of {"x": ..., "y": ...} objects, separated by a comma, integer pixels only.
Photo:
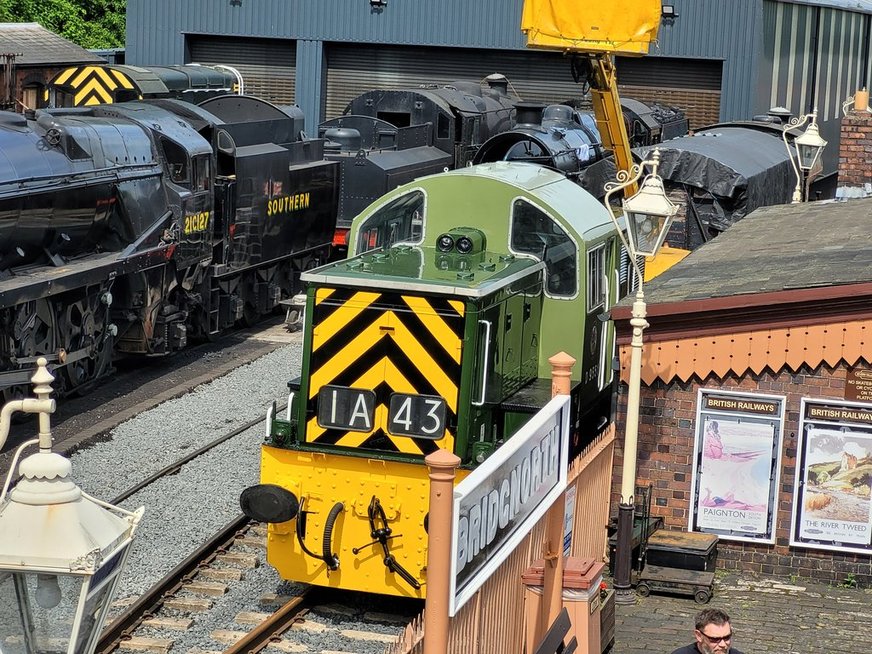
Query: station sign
[{"x": 497, "y": 505}]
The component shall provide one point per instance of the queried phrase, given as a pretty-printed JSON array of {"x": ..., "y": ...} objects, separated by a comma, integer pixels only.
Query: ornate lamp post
[
  {"x": 806, "y": 150},
  {"x": 61, "y": 550},
  {"x": 649, "y": 214}
]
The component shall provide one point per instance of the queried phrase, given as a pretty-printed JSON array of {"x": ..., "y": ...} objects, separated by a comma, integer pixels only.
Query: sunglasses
[{"x": 714, "y": 640}]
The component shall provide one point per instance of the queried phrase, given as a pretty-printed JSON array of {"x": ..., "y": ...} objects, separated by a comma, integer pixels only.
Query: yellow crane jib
[{"x": 593, "y": 31}]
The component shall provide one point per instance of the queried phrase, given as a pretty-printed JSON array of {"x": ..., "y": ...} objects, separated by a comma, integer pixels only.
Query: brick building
[
  {"x": 765, "y": 330},
  {"x": 30, "y": 56},
  {"x": 855, "y": 153}
]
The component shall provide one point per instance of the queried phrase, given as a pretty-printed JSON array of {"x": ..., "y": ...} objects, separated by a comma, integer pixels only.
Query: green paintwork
[
  {"x": 502, "y": 290},
  {"x": 481, "y": 197}
]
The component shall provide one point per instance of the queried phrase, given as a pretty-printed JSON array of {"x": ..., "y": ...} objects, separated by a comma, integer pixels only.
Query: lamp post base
[
  {"x": 624, "y": 593},
  {"x": 625, "y": 597}
]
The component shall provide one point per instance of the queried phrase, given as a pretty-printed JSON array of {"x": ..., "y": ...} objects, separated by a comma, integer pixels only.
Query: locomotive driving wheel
[
  {"x": 77, "y": 328},
  {"x": 34, "y": 329},
  {"x": 32, "y": 332},
  {"x": 82, "y": 331}
]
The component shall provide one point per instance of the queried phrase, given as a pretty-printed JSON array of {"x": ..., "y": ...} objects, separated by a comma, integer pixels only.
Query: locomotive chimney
[
  {"x": 498, "y": 82},
  {"x": 528, "y": 114},
  {"x": 781, "y": 113}
]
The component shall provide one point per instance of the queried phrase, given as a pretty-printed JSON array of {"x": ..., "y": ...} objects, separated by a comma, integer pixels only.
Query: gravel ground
[
  {"x": 159, "y": 437},
  {"x": 182, "y": 510}
]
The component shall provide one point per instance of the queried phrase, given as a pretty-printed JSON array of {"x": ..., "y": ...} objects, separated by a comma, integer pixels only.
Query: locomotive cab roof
[
  {"x": 426, "y": 269},
  {"x": 483, "y": 196}
]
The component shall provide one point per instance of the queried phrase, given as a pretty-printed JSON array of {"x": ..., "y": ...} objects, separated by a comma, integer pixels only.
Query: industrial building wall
[
  {"x": 537, "y": 76},
  {"x": 813, "y": 57},
  {"x": 711, "y": 31}
]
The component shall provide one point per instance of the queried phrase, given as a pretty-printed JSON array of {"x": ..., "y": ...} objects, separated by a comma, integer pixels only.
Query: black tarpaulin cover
[
  {"x": 740, "y": 167},
  {"x": 743, "y": 166}
]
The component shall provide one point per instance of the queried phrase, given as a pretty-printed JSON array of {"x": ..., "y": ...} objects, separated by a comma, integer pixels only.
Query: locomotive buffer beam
[{"x": 380, "y": 531}]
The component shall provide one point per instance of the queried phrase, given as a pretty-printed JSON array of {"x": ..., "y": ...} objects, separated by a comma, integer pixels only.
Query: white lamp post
[
  {"x": 61, "y": 550},
  {"x": 806, "y": 150},
  {"x": 649, "y": 214}
]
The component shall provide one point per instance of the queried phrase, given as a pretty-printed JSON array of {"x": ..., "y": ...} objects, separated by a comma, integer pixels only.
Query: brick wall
[
  {"x": 855, "y": 149},
  {"x": 666, "y": 444}
]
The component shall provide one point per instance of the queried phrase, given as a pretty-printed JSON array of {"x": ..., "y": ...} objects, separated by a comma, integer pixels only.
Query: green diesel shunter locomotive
[{"x": 435, "y": 333}]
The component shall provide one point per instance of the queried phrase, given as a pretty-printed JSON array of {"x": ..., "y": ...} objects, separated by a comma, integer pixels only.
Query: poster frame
[
  {"x": 801, "y": 463},
  {"x": 774, "y": 484}
]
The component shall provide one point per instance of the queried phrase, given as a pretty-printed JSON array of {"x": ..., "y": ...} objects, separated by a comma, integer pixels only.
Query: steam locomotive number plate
[{"x": 422, "y": 416}]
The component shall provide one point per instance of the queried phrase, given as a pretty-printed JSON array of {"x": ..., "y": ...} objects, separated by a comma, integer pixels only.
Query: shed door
[
  {"x": 267, "y": 66},
  {"x": 693, "y": 85},
  {"x": 690, "y": 84},
  {"x": 355, "y": 68}
]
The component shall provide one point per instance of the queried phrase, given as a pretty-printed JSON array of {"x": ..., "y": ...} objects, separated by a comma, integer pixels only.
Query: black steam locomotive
[
  {"x": 127, "y": 228},
  {"x": 566, "y": 139},
  {"x": 386, "y": 138}
]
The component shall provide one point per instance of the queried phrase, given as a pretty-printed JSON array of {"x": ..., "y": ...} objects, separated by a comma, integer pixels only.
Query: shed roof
[
  {"x": 788, "y": 286},
  {"x": 778, "y": 248},
  {"x": 862, "y": 6},
  {"x": 35, "y": 45}
]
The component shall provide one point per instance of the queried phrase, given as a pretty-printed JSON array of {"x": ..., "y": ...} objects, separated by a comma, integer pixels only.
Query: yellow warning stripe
[
  {"x": 122, "y": 79},
  {"x": 383, "y": 370},
  {"x": 424, "y": 362},
  {"x": 84, "y": 74},
  {"x": 457, "y": 306},
  {"x": 435, "y": 324},
  {"x": 368, "y": 338},
  {"x": 328, "y": 328},
  {"x": 347, "y": 355},
  {"x": 399, "y": 383},
  {"x": 92, "y": 93},
  {"x": 65, "y": 75},
  {"x": 323, "y": 293}
]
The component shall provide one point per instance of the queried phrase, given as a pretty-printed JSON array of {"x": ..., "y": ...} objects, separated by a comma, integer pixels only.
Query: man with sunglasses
[{"x": 713, "y": 633}]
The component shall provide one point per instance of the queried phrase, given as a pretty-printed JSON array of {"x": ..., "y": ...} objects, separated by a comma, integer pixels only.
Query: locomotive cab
[{"x": 435, "y": 335}]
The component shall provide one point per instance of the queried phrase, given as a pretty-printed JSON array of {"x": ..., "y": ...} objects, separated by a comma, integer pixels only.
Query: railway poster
[
  {"x": 832, "y": 503},
  {"x": 736, "y": 465}
]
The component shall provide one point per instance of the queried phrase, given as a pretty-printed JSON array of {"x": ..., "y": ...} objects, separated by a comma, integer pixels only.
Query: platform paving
[{"x": 769, "y": 616}]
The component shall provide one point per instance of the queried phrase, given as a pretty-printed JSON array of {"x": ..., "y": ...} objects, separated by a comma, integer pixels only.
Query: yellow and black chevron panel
[
  {"x": 380, "y": 344},
  {"x": 90, "y": 85}
]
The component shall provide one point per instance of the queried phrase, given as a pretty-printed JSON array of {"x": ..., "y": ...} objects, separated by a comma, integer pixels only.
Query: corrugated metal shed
[
  {"x": 36, "y": 46},
  {"x": 706, "y": 29},
  {"x": 790, "y": 52}
]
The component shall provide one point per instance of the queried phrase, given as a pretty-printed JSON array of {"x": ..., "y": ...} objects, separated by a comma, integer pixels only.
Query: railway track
[
  {"x": 138, "y": 386},
  {"x": 159, "y": 619},
  {"x": 213, "y": 578}
]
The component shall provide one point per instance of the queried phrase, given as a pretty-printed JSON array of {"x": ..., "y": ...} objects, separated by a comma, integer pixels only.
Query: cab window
[
  {"x": 177, "y": 161},
  {"x": 399, "y": 221},
  {"x": 596, "y": 277},
  {"x": 201, "y": 166},
  {"x": 535, "y": 232}
]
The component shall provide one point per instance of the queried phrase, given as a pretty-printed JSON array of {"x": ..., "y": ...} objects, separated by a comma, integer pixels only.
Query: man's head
[{"x": 713, "y": 631}]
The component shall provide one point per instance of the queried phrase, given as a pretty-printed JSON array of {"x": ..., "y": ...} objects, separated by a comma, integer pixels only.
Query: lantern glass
[
  {"x": 808, "y": 154},
  {"x": 44, "y": 613},
  {"x": 37, "y": 612},
  {"x": 649, "y": 214},
  {"x": 647, "y": 231}
]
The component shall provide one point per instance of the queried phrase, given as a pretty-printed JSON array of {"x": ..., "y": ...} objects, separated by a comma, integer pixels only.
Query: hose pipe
[{"x": 331, "y": 559}]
